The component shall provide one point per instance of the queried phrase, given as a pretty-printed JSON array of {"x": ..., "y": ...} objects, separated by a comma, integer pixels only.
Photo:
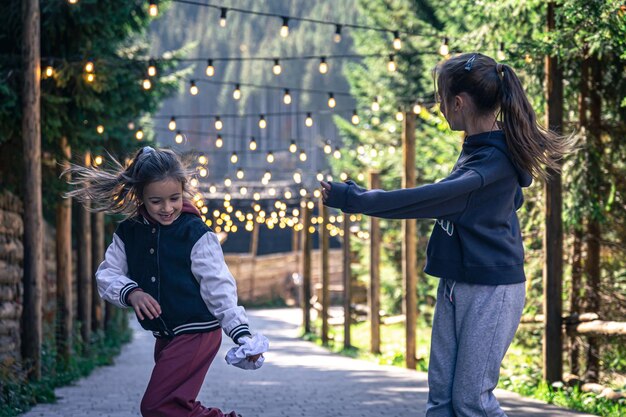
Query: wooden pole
[
  {"x": 307, "y": 245},
  {"x": 33, "y": 262},
  {"x": 64, "y": 265},
  {"x": 374, "y": 290},
  {"x": 97, "y": 256},
  {"x": 553, "y": 236},
  {"x": 254, "y": 248},
  {"x": 409, "y": 243},
  {"x": 84, "y": 269},
  {"x": 347, "y": 282},
  {"x": 325, "y": 275}
]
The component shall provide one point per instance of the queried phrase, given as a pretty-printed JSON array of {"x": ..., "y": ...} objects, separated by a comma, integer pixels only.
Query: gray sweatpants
[{"x": 472, "y": 330}]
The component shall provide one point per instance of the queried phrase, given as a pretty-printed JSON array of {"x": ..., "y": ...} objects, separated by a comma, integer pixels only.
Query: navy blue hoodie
[{"x": 477, "y": 237}]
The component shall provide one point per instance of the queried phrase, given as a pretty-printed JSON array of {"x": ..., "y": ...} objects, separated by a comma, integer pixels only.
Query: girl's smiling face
[{"x": 164, "y": 200}]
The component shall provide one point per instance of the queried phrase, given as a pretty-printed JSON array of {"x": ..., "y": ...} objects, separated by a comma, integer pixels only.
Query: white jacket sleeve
[
  {"x": 112, "y": 275},
  {"x": 217, "y": 286}
]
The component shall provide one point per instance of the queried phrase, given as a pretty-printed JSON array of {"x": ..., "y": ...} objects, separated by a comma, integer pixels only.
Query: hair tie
[
  {"x": 500, "y": 69},
  {"x": 148, "y": 149}
]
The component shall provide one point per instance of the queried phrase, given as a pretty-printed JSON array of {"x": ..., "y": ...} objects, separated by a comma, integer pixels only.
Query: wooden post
[
  {"x": 97, "y": 256},
  {"x": 553, "y": 236},
  {"x": 409, "y": 243},
  {"x": 307, "y": 245},
  {"x": 347, "y": 282},
  {"x": 64, "y": 265},
  {"x": 254, "y": 247},
  {"x": 84, "y": 269},
  {"x": 33, "y": 262},
  {"x": 374, "y": 290},
  {"x": 324, "y": 269}
]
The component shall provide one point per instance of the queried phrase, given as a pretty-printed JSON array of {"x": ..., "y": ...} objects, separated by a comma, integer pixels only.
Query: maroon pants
[{"x": 180, "y": 366}]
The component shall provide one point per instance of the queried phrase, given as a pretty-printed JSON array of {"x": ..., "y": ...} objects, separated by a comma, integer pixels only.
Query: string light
[
  {"x": 223, "y": 17},
  {"x": 320, "y": 176},
  {"x": 417, "y": 108},
  {"x": 267, "y": 175},
  {"x": 89, "y": 67},
  {"x": 252, "y": 144},
  {"x": 327, "y": 148},
  {"x": 343, "y": 176},
  {"x": 72, "y": 1},
  {"x": 297, "y": 177},
  {"x": 218, "y": 123},
  {"x": 242, "y": 191},
  {"x": 337, "y": 153},
  {"x": 302, "y": 155},
  {"x": 203, "y": 160},
  {"x": 399, "y": 115},
  {"x": 139, "y": 134},
  {"x": 153, "y": 9},
  {"x": 219, "y": 142},
  {"x": 397, "y": 43},
  {"x": 212, "y": 190},
  {"x": 293, "y": 147},
  {"x": 308, "y": 122},
  {"x": 172, "y": 124},
  {"x": 193, "y": 88},
  {"x": 49, "y": 71},
  {"x": 256, "y": 197},
  {"x": 284, "y": 29},
  {"x": 391, "y": 65},
  {"x": 146, "y": 84},
  {"x": 90, "y": 77},
  {"x": 323, "y": 65},
  {"x": 237, "y": 92},
  {"x": 204, "y": 172},
  {"x": 227, "y": 182},
  {"x": 303, "y": 192},
  {"x": 500, "y": 54},
  {"x": 234, "y": 158},
  {"x": 262, "y": 122},
  {"x": 375, "y": 104},
  {"x": 528, "y": 59},
  {"x": 444, "y": 49},
  {"x": 355, "y": 118},
  {"x": 179, "y": 137},
  {"x": 152, "y": 71},
  {"x": 287, "y": 194},
  {"x": 287, "y": 97},
  {"x": 331, "y": 101},
  {"x": 98, "y": 160},
  {"x": 337, "y": 36},
  {"x": 277, "y": 68},
  {"x": 100, "y": 129},
  {"x": 270, "y": 157},
  {"x": 240, "y": 174},
  {"x": 210, "y": 69}
]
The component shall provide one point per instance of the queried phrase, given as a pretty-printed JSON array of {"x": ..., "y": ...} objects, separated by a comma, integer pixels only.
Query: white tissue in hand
[{"x": 251, "y": 346}]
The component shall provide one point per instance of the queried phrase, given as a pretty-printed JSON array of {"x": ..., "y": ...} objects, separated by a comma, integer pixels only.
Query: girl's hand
[
  {"x": 143, "y": 303},
  {"x": 325, "y": 190}
]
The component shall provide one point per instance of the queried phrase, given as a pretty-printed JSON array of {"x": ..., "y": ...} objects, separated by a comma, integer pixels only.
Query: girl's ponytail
[{"x": 533, "y": 148}]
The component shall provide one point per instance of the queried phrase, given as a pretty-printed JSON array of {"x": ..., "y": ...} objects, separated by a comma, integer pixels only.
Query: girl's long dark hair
[
  {"x": 493, "y": 88},
  {"x": 120, "y": 190}
]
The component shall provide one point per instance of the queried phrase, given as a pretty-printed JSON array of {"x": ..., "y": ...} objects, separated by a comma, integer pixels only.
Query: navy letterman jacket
[{"x": 182, "y": 266}]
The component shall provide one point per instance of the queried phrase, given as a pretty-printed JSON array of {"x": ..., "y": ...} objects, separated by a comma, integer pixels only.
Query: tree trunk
[
  {"x": 409, "y": 244},
  {"x": 347, "y": 282},
  {"x": 553, "y": 236},
  {"x": 84, "y": 271},
  {"x": 307, "y": 246},
  {"x": 97, "y": 255},
  {"x": 64, "y": 265},
  {"x": 374, "y": 290},
  {"x": 324, "y": 269},
  {"x": 592, "y": 265},
  {"x": 33, "y": 213}
]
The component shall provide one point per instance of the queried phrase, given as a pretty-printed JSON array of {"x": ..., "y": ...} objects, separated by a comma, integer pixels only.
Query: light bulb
[
  {"x": 302, "y": 155},
  {"x": 219, "y": 142},
  {"x": 252, "y": 144},
  {"x": 152, "y": 71},
  {"x": 500, "y": 54},
  {"x": 331, "y": 101},
  {"x": 297, "y": 177},
  {"x": 204, "y": 172},
  {"x": 327, "y": 148},
  {"x": 355, "y": 118},
  {"x": 172, "y": 124},
  {"x": 397, "y": 43},
  {"x": 270, "y": 157},
  {"x": 337, "y": 153},
  {"x": 262, "y": 122},
  {"x": 287, "y": 97},
  {"x": 302, "y": 192},
  {"x": 277, "y": 69},
  {"x": 528, "y": 59},
  {"x": 91, "y": 78},
  {"x": 287, "y": 194},
  {"x": 210, "y": 69},
  {"x": 227, "y": 182},
  {"x": 323, "y": 65},
  {"x": 240, "y": 173},
  {"x": 242, "y": 191},
  {"x": 203, "y": 160},
  {"x": 391, "y": 65},
  {"x": 320, "y": 176},
  {"x": 284, "y": 29},
  {"x": 153, "y": 9},
  {"x": 399, "y": 115},
  {"x": 444, "y": 49},
  {"x": 139, "y": 134},
  {"x": 237, "y": 92},
  {"x": 212, "y": 189},
  {"x": 223, "y": 17},
  {"x": 292, "y": 147},
  {"x": 375, "y": 104},
  {"x": 267, "y": 175},
  {"x": 337, "y": 36},
  {"x": 89, "y": 67},
  {"x": 308, "y": 122},
  {"x": 146, "y": 84},
  {"x": 218, "y": 123},
  {"x": 98, "y": 160},
  {"x": 100, "y": 129},
  {"x": 234, "y": 158},
  {"x": 193, "y": 88},
  {"x": 49, "y": 71},
  {"x": 179, "y": 137},
  {"x": 417, "y": 108}
]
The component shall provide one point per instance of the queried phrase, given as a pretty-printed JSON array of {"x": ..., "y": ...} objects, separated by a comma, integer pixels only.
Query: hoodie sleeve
[
  {"x": 217, "y": 286},
  {"x": 439, "y": 200},
  {"x": 114, "y": 285}
]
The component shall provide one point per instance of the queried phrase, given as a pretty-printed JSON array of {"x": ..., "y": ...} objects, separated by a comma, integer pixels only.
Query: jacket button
[
  {"x": 153, "y": 230},
  {"x": 151, "y": 251},
  {"x": 153, "y": 279}
]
